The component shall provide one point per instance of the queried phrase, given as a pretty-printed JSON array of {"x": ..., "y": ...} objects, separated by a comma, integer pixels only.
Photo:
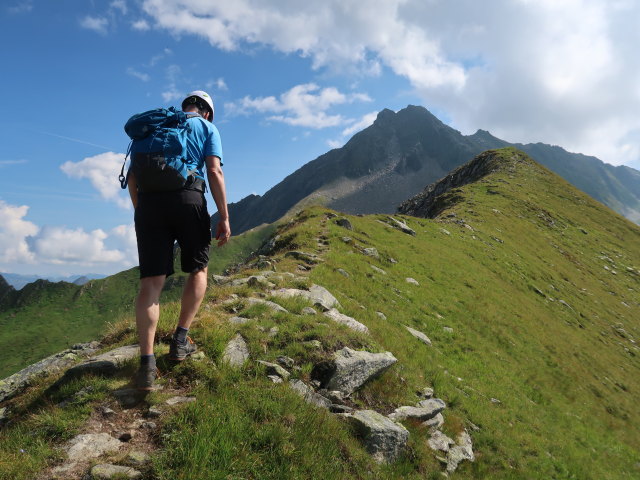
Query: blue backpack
[{"x": 158, "y": 151}]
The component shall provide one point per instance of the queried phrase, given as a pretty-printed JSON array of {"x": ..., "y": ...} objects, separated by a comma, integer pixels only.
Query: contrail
[{"x": 75, "y": 140}]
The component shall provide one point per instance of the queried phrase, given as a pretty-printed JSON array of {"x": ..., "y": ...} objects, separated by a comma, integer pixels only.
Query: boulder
[
  {"x": 384, "y": 439},
  {"x": 236, "y": 352},
  {"x": 275, "y": 369},
  {"x": 427, "y": 409},
  {"x": 371, "y": 252},
  {"x": 353, "y": 368},
  {"x": 435, "y": 422},
  {"x": 91, "y": 445},
  {"x": 463, "y": 450},
  {"x": 107, "y": 363},
  {"x": 259, "y": 281},
  {"x": 401, "y": 226},
  {"x": 344, "y": 223},
  {"x": 350, "y": 322},
  {"x": 107, "y": 471},
  {"x": 259, "y": 301},
  {"x": 439, "y": 441},
  {"x": 316, "y": 294},
  {"x": 419, "y": 335},
  {"x": 309, "y": 395}
]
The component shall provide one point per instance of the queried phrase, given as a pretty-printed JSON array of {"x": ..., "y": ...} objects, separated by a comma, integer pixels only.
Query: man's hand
[{"x": 223, "y": 232}]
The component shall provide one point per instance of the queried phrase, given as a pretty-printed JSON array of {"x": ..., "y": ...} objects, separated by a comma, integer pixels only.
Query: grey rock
[
  {"x": 259, "y": 281},
  {"x": 316, "y": 294},
  {"x": 16, "y": 383},
  {"x": 448, "y": 329},
  {"x": 286, "y": 362},
  {"x": 274, "y": 369},
  {"x": 393, "y": 260},
  {"x": 354, "y": 368},
  {"x": 347, "y": 239},
  {"x": 412, "y": 281},
  {"x": 339, "y": 408},
  {"x": 273, "y": 306},
  {"x": 371, "y": 252},
  {"x": 427, "y": 409},
  {"x": 384, "y": 439},
  {"x": 4, "y": 415},
  {"x": 419, "y": 335},
  {"x": 128, "y": 397},
  {"x": 350, "y": 322},
  {"x": 463, "y": 450},
  {"x": 107, "y": 363},
  {"x": 273, "y": 331},
  {"x": 378, "y": 269},
  {"x": 239, "y": 320},
  {"x": 426, "y": 392},
  {"x": 343, "y": 272},
  {"x": 149, "y": 425},
  {"x": 236, "y": 352},
  {"x": 308, "y": 258},
  {"x": 153, "y": 413},
  {"x": 179, "y": 399},
  {"x": 106, "y": 471},
  {"x": 344, "y": 223},
  {"x": 138, "y": 458},
  {"x": 220, "y": 279},
  {"x": 401, "y": 226},
  {"x": 106, "y": 412},
  {"x": 435, "y": 422},
  {"x": 309, "y": 311},
  {"x": 309, "y": 395},
  {"x": 238, "y": 282},
  {"x": 439, "y": 441},
  {"x": 275, "y": 378},
  {"x": 381, "y": 315},
  {"x": 91, "y": 445}
]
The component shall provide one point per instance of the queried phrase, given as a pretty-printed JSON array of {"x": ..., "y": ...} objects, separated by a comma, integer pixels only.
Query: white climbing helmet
[{"x": 196, "y": 97}]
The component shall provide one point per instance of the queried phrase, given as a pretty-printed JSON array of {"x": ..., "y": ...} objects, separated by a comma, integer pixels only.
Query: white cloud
[
  {"x": 21, "y": 7},
  {"x": 171, "y": 95},
  {"x": 361, "y": 124},
  {"x": 59, "y": 245},
  {"x": 119, "y": 5},
  {"x": 303, "y": 106},
  {"x": 139, "y": 75},
  {"x": 102, "y": 171},
  {"x": 141, "y": 25},
  {"x": 97, "y": 24},
  {"x": 4, "y": 163},
  {"x": 123, "y": 238},
  {"x": 219, "y": 83},
  {"x": 559, "y": 72},
  {"x": 14, "y": 231}
]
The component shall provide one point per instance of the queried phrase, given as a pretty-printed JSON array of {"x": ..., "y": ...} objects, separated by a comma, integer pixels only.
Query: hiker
[{"x": 163, "y": 217}]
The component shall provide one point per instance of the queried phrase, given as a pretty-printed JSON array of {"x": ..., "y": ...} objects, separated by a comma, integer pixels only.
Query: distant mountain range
[
  {"x": 393, "y": 160},
  {"x": 17, "y": 280}
]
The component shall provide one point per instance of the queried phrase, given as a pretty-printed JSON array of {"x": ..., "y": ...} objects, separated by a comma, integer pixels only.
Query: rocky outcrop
[
  {"x": 107, "y": 363},
  {"x": 384, "y": 439},
  {"x": 317, "y": 295},
  {"x": 353, "y": 368},
  {"x": 16, "y": 383},
  {"x": 236, "y": 352},
  {"x": 91, "y": 445}
]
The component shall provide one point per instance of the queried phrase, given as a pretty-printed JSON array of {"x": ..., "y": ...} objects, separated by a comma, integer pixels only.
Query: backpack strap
[{"x": 124, "y": 180}]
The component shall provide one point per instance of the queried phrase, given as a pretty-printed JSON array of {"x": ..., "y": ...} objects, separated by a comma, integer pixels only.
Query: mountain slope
[
  {"x": 526, "y": 287},
  {"x": 402, "y": 152}
]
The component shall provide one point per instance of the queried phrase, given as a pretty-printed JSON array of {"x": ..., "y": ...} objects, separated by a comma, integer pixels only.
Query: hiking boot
[
  {"x": 179, "y": 351},
  {"x": 145, "y": 378}
]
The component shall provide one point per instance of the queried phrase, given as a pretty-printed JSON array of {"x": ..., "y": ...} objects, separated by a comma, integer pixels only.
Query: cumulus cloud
[
  {"x": 361, "y": 124},
  {"x": 97, "y": 24},
  {"x": 219, "y": 84},
  {"x": 102, "y": 171},
  {"x": 119, "y": 5},
  {"x": 303, "y": 106},
  {"x": 21, "y": 7},
  {"x": 141, "y": 25},
  {"x": 14, "y": 231},
  {"x": 59, "y": 245},
  {"x": 559, "y": 72}
]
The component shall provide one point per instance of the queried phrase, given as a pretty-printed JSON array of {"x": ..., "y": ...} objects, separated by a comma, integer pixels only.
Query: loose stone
[
  {"x": 350, "y": 322},
  {"x": 419, "y": 335},
  {"x": 107, "y": 471},
  {"x": 384, "y": 439}
]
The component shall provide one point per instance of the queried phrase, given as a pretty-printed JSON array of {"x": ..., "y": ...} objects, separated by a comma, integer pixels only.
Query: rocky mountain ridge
[{"x": 393, "y": 159}]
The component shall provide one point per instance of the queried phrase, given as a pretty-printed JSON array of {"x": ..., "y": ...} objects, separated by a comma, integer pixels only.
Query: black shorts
[{"x": 163, "y": 218}]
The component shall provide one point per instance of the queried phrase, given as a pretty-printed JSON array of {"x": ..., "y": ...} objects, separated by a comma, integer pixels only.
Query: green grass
[{"x": 541, "y": 358}]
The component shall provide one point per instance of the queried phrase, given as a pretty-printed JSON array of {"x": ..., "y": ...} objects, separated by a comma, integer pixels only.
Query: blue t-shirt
[{"x": 203, "y": 141}]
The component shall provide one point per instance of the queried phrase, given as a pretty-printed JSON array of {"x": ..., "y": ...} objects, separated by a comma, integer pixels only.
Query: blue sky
[{"x": 289, "y": 81}]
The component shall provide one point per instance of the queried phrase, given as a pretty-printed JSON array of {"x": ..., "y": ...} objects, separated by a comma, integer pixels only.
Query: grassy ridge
[
  {"x": 53, "y": 316},
  {"x": 538, "y": 361}
]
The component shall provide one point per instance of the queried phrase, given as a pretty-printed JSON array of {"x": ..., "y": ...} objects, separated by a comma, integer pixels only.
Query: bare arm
[
  {"x": 218, "y": 191},
  {"x": 133, "y": 189}
]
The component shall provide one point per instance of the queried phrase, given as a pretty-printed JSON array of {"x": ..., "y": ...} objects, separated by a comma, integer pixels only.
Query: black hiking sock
[
  {"x": 181, "y": 335},
  {"x": 148, "y": 361}
]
